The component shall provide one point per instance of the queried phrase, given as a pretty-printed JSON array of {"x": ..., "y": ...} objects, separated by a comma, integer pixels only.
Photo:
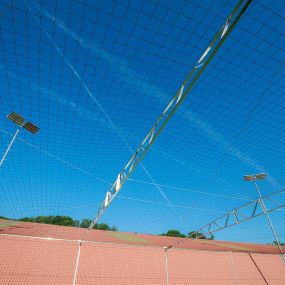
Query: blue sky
[{"x": 95, "y": 77}]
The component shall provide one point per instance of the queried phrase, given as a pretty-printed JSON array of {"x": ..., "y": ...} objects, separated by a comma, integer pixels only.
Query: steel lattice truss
[
  {"x": 172, "y": 106},
  {"x": 243, "y": 214}
]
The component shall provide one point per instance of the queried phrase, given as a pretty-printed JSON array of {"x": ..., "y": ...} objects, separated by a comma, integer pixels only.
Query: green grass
[
  {"x": 127, "y": 237},
  {"x": 7, "y": 223},
  {"x": 227, "y": 245}
]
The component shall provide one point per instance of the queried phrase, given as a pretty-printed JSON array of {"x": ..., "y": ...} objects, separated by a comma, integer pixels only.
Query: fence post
[{"x": 166, "y": 265}]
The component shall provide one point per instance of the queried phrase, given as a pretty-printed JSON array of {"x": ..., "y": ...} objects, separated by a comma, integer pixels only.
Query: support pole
[
  {"x": 166, "y": 265},
  {"x": 77, "y": 263},
  {"x": 9, "y": 146}
]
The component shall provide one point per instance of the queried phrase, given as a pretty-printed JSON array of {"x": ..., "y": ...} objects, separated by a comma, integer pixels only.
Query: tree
[
  {"x": 53, "y": 220},
  {"x": 67, "y": 221},
  {"x": 200, "y": 235},
  {"x": 85, "y": 223},
  {"x": 103, "y": 227},
  {"x": 173, "y": 233},
  {"x": 114, "y": 228},
  {"x": 275, "y": 242},
  {"x": 4, "y": 218}
]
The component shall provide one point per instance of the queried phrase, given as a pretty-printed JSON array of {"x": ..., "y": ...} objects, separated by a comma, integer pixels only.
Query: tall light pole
[
  {"x": 22, "y": 123},
  {"x": 254, "y": 178}
]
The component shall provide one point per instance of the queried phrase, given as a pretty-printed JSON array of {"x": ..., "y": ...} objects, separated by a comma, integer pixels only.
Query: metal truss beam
[
  {"x": 244, "y": 213},
  {"x": 175, "y": 102}
]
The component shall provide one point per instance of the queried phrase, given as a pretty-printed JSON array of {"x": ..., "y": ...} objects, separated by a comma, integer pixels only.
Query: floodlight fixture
[
  {"x": 254, "y": 178},
  {"x": 21, "y": 122},
  {"x": 248, "y": 178},
  {"x": 16, "y": 118},
  {"x": 260, "y": 176},
  {"x": 31, "y": 127}
]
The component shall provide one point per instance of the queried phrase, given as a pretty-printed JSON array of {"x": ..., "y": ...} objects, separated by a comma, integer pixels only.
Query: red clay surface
[
  {"x": 271, "y": 268},
  {"x": 26, "y": 260},
  {"x": 112, "y": 264},
  {"x": 46, "y": 254},
  {"x": 32, "y": 261},
  {"x": 71, "y": 233}
]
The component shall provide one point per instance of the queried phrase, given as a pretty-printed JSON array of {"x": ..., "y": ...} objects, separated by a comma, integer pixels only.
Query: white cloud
[
  {"x": 93, "y": 98},
  {"x": 53, "y": 95},
  {"x": 129, "y": 76},
  {"x": 212, "y": 134}
]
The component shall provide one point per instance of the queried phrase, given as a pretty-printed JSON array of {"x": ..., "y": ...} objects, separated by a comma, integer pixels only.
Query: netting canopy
[{"x": 94, "y": 76}]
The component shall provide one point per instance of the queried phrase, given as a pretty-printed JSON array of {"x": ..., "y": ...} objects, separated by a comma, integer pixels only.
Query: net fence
[
  {"x": 95, "y": 75},
  {"x": 103, "y": 264}
]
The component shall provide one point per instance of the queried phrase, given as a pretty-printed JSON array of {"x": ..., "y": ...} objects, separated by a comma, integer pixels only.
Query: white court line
[{"x": 129, "y": 245}]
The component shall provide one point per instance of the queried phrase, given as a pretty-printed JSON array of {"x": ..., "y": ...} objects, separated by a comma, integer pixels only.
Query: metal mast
[
  {"x": 22, "y": 123},
  {"x": 254, "y": 178}
]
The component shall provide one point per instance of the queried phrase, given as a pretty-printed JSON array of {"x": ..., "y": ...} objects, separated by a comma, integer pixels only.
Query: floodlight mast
[
  {"x": 173, "y": 105},
  {"x": 9, "y": 146},
  {"x": 22, "y": 123},
  {"x": 254, "y": 178}
]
